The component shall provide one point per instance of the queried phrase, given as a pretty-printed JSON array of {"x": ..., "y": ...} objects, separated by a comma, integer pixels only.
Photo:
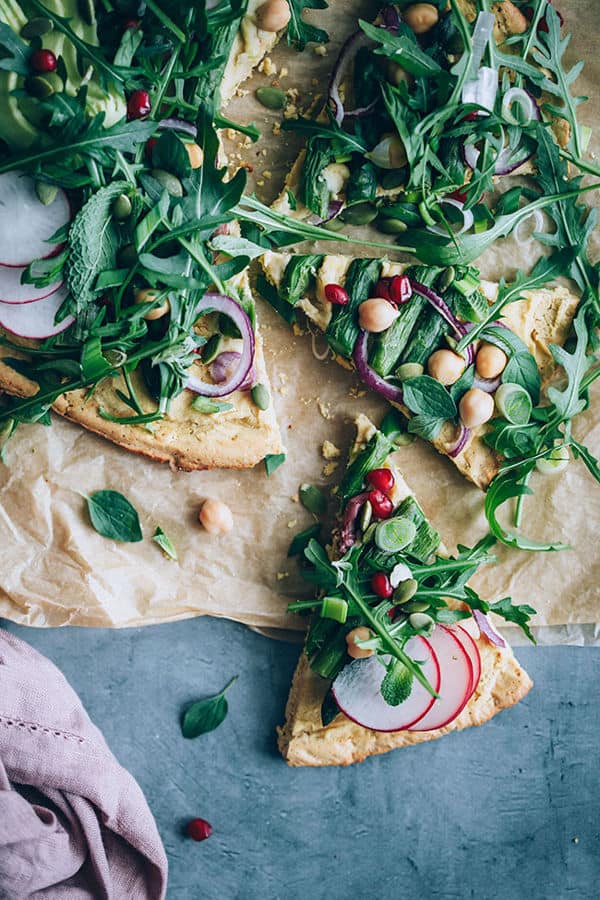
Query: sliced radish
[
  {"x": 356, "y": 691},
  {"x": 25, "y": 223},
  {"x": 12, "y": 291},
  {"x": 455, "y": 687},
  {"x": 470, "y": 648},
  {"x": 35, "y": 320},
  {"x": 471, "y": 627}
]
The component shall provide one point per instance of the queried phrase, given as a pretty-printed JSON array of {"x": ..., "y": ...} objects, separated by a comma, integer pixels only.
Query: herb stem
[{"x": 166, "y": 21}]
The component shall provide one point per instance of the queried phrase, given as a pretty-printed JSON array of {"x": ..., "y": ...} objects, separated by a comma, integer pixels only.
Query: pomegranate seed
[
  {"x": 381, "y": 585},
  {"x": 199, "y": 829},
  {"x": 461, "y": 196},
  {"x": 131, "y": 25},
  {"x": 400, "y": 289},
  {"x": 43, "y": 61},
  {"x": 381, "y": 479},
  {"x": 138, "y": 105},
  {"x": 336, "y": 294},
  {"x": 382, "y": 505},
  {"x": 382, "y": 289},
  {"x": 471, "y": 117},
  {"x": 150, "y": 145}
]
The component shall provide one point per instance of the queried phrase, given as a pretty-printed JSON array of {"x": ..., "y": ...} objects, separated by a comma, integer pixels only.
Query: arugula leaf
[
  {"x": 113, "y": 516},
  {"x": 589, "y": 460},
  {"x": 300, "y": 541},
  {"x": 16, "y": 53},
  {"x": 402, "y": 49},
  {"x": 519, "y": 614},
  {"x": 206, "y": 715},
  {"x": 504, "y": 487},
  {"x": 165, "y": 543},
  {"x": 432, "y": 404},
  {"x": 273, "y": 461},
  {"x": 301, "y": 33},
  {"x": 568, "y": 402},
  {"x": 397, "y": 683}
]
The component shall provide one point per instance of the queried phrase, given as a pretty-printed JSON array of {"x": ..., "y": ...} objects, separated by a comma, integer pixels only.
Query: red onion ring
[
  {"x": 370, "y": 377},
  {"x": 350, "y": 48},
  {"x": 335, "y": 208},
  {"x": 489, "y": 385},
  {"x": 391, "y": 18},
  {"x": 459, "y": 445},
  {"x": 486, "y": 628},
  {"x": 175, "y": 124},
  {"x": 445, "y": 312},
  {"x": 348, "y": 530},
  {"x": 228, "y": 307}
]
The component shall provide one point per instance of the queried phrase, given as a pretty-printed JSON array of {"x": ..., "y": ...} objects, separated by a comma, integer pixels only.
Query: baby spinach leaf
[
  {"x": 522, "y": 367},
  {"x": 313, "y": 499},
  {"x": 431, "y": 403},
  {"x": 113, "y": 516},
  {"x": 206, "y": 715},
  {"x": 165, "y": 543},
  {"x": 273, "y": 461}
]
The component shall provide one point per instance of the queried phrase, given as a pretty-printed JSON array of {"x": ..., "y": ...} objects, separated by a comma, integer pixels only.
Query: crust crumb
[{"x": 330, "y": 451}]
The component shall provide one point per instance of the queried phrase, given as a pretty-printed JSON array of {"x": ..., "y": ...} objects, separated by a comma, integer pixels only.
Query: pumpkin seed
[
  {"x": 416, "y": 606},
  {"x": 393, "y": 179},
  {"x": 406, "y": 590},
  {"x": 46, "y": 193},
  {"x": 368, "y": 535},
  {"x": 409, "y": 370},
  {"x": 404, "y": 439},
  {"x": 446, "y": 278},
  {"x": 270, "y": 97},
  {"x": 211, "y": 348},
  {"x": 366, "y": 514},
  {"x": 359, "y": 214},
  {"x": 390, "y": 226},
  {"x": 122, "y": 207},
  {"x": 421, "y": 621},
  {"x": 170, "y": 182},
  {"x": 39, "y": 86},
  {"x": 260, "y": 396},
  {"x": 336, "y": 224},
  {"x": 36, "y": 27}
]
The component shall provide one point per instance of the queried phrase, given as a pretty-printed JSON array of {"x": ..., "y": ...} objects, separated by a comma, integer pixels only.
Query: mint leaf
[
  {"x": 206, "y": 715},
  {"x": 432, "y": 404},
  {"x": 397, "y": 683},
  {"x": 113, "y": 516},
  {"x": 165, "y": 543}
]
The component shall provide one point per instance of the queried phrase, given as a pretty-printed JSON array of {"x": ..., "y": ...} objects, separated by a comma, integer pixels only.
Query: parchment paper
[{"x": 56, "y": 570}]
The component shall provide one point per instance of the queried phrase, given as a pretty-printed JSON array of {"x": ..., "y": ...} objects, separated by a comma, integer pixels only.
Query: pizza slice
[
  {"x": 399, "y": 649},
  {"x": 422, "y": 120},
  {"x": 401, "y": 327}
]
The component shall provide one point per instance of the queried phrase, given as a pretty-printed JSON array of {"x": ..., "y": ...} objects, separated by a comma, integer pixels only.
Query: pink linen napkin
[{"x": 74, "y": 825}]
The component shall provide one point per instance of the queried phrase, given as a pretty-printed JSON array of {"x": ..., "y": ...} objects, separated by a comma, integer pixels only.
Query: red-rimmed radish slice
[
  {"x": 357, "y": 690},
  {"x": 12, "y": 291},
  {"x": 455, "y": 686},
  {"x": 35, "y": 320},
  {"x": 471, "y": 627},
  {"x": 25, "y": 223},
  {"x": 470, "y": 648}
]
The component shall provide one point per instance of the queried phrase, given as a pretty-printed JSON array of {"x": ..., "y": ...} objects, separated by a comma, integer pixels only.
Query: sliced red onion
[
  {"x": 482, "y": 32},
  {"x": 459, "y": 445},
  {"x": 235, "y": 380},
  {"x": 369, "y": 376},
  {"x": 525, "y": 101},
  {"x": 348, "y": 529},
  {"x": 391, "y": 18},
  {"x": 222, "y": 366},
  {"x": 175, "y": 124},
  {"x": 482, "y": 90},
  {"x": 489, "y": 385},
  {"x": 335, "y": 208},
  {"x": 538, "y": 225},
  {"x": 486, "y": 628},
  {"x": 346, "y": 57},
  {"x": 467, "y": 215}
]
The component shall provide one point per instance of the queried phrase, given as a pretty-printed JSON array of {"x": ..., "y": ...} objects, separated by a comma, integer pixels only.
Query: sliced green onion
[
  {"x": 556, "y": 461},
  {"x": 513, "y": 403},
  {"x": 466, "y": 285},
  {"x": 334, "y": 608},
  {"x": 395, "y": 534}
]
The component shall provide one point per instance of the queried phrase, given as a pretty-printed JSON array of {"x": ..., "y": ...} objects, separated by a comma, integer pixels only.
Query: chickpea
[
  {"x": 361, "y": 633},
  {"x": 395, "y": 74},
  {"x": 476, "y": 407},
  {"x": 215, "y": 517},
  {"x": 147, "y": 295},
  {"x": 196, "y": 155},
  {"x": 273, "y": 15},
  {"x": 490, "y": 361},
  {"x": 445, "y": 366},
  {"x": 421, "y": 17},
  {"x": 336, "y": 176},
  {"x": 376, "y": 314}
]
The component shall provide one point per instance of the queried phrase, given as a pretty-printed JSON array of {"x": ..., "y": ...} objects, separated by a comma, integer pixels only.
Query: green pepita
[
  {"x": 46, "y": 193},
  {"x": 170, "y": 182},
  {"x": 270, "y": 97},
  {"x": 406, "y": 590},
  {"x": 122, "y": 208},
  {"x": 390, "y": 226},
  {"x": 393, "y": 179},
  {"x": 369, "y": 533},
  {"x": 336, "y": 224},
  {"x": 366, "y": 514},
  {"x": 127, "y": 256},
  {"x": 359, "y": 214},
  {"x": 446, "y": 278},
  {"x": 409, "y": 370},
  {"x": 211, "y": 349},
  {"x": 416, "y": 606},
  {"x": 40, "y": 86},
  {"x": 421, "y": 621},
  {"x": 260, "y": 396},
  {"x": 404, "y": 439},
  {"x": 36, "y": 28}
]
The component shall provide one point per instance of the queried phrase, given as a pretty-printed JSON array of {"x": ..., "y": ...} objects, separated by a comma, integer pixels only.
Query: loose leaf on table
[
  {"x": 313, "y": 499},
  {"x": 165, "y": 543},
  {"x": 504, "y": 487},
  {"x": 273, "y": 461},
  {"x": 207, "y": 714},
  {"x": 301, "y": 540},
  {"x": 113, "y": 516},
  {"x": 299, "y": 32}
]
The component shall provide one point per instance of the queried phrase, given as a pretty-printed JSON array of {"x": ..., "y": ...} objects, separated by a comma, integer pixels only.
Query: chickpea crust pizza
[{"x": 132, "y": 254}]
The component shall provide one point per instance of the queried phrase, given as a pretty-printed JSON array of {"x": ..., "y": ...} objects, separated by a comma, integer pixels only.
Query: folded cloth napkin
[{"x": 74, "y": 825}]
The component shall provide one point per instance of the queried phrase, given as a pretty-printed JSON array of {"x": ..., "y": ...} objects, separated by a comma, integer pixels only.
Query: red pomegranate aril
[
  {"x": 461, "y": 196},
  {"x": 150, "y": 145},
  {"x": 382, "y": 289},
  {"x": 138, "y": 105},
  {"x": 199, "y": 829},
  {"x": 471, "y": 117},
  {"x": 131, "y": 25},
  {"x": 335, "y": 293},
  {"x": 382, "y": 480},
  {"x": 43, "y": 61},
  {"x": 382, "y": 585},
  {"x": 400, "y": 289},
  {"x": 382, "y": 506}
]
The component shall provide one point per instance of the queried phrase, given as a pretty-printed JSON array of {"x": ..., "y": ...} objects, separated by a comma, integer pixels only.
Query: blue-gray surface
[{"x": 507, "y": 811}]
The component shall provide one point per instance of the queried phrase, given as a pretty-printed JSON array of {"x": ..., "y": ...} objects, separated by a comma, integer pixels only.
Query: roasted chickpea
[
  {"x": 476, "y": 407},
  {"x": 361, "y": 633},
  {"x": 147, "y": 295},
  {"x": 445, "y": 366},
  {"x": 337, "y": 176},
  {"x": 490, "y": 361},
  {"x": 395, "y": 74},
  {"x": 215, "y": 517},
  {"x": 376, "y": 314},
  {"x": 196, "y": 155},
  {"x": 273, "y": 15},
  {"x": 421, "y": 17}
]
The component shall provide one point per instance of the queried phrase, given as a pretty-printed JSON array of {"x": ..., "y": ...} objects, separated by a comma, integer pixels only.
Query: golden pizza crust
[
  {"x": 540, "y": 318},
  {"x": 250, "y": 46}
]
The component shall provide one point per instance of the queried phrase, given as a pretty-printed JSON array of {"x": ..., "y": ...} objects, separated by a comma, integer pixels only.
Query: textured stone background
[{"x": 503, "y": 812}]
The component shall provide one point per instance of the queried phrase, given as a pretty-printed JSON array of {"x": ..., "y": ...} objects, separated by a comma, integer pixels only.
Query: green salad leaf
[
  {"x": 207, "y": 714},
  {"x": 113, "y": 516},
  {"x": 299, "y": 32}
]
